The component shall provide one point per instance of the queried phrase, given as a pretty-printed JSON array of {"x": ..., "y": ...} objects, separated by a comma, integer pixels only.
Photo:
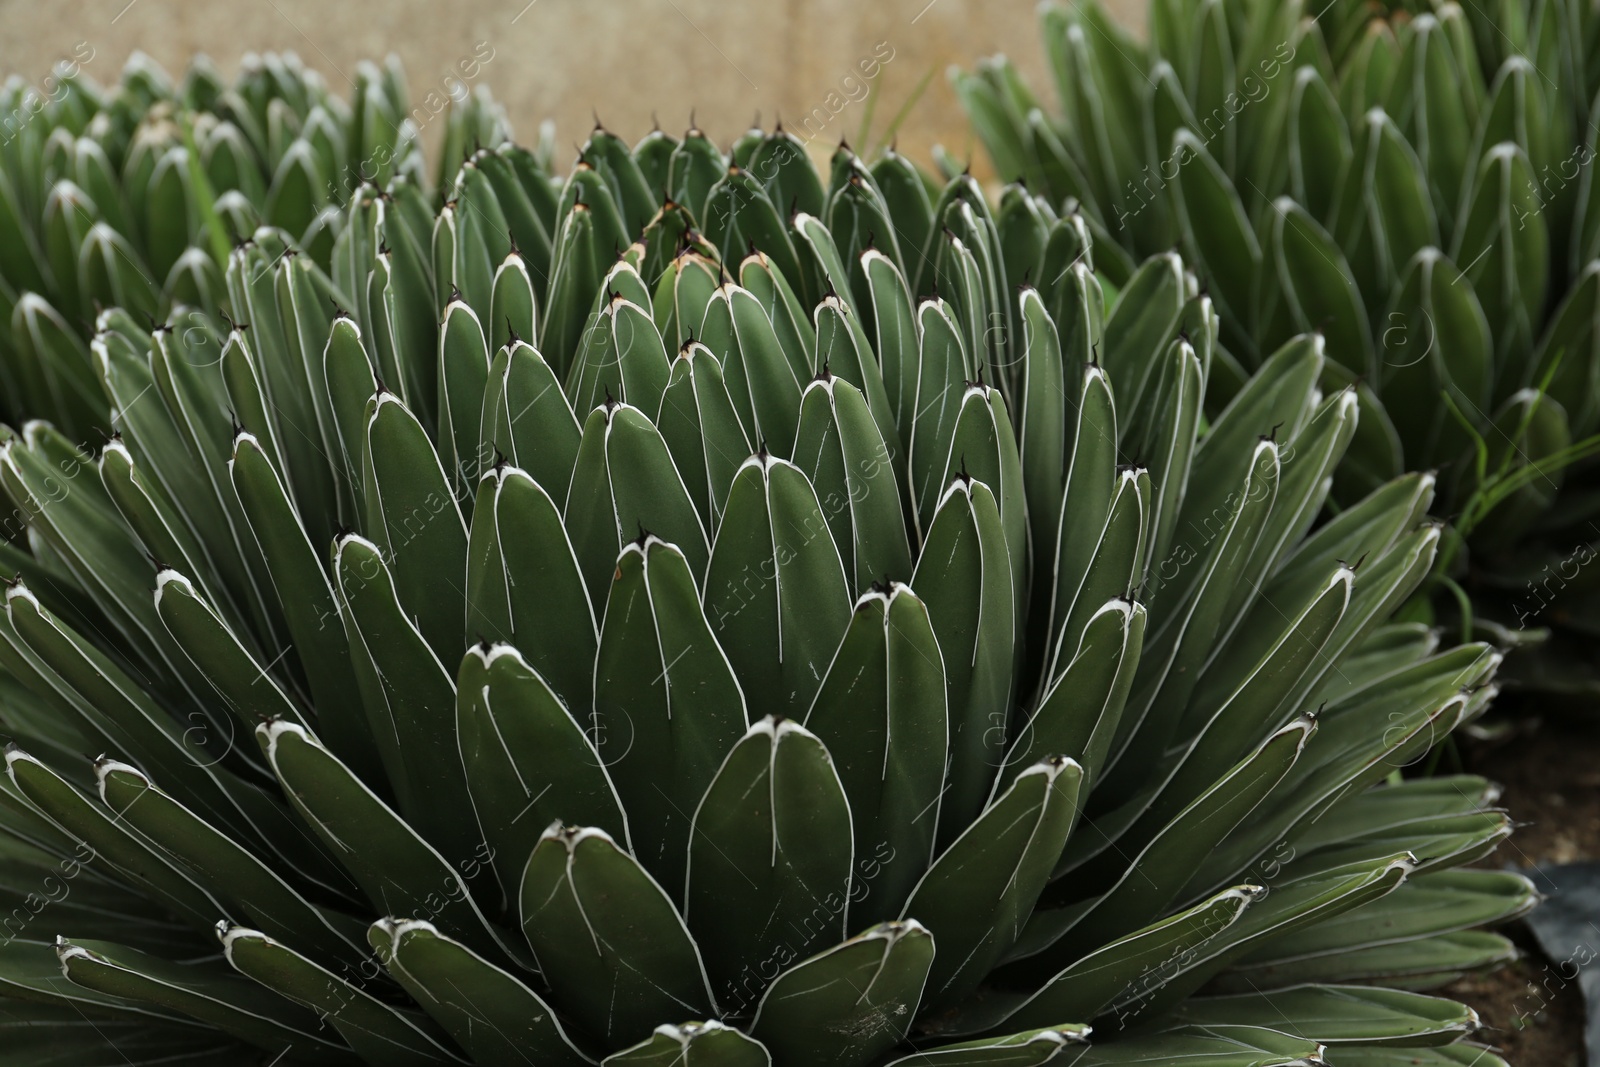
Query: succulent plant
[
  {"x": 790, "y": 641},
  {"x": 133, "y": 196},
  {"x": 1415, "y": 181}
]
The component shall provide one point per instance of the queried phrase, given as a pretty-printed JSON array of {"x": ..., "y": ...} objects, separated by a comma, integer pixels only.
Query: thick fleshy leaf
[
  {"x": 977, "y": 895},
  {"x": 528, "y": 760},
  {"x": 625, "y": 484},
  {"x": 964, "y": 577},
  {"x": 523, "y": 585},
  {"x": 840, "y": 450},
  {"x": 375, "y": 1030},
  {"x": 607, "y": 938},
  {"x": 881, "y": 712},
  {"x": 849, "y": 1004},
  {"x": 661, "y": 733},
  {"x": 488, "y": 1011},
  {"x": 770, "y": 859},
  {"x": 775, "y": 591},
  {"x": 707, "y": 1044}
]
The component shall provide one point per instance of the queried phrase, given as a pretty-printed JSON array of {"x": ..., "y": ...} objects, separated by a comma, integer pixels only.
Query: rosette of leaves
[
  {"x": 132, "y": 196},
  {"x": 786, "y": 642},
  {"x": 1415, "y": 181}
]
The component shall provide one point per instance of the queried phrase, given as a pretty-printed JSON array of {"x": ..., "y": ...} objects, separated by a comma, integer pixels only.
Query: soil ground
[{"x": 1552, "y": 788}]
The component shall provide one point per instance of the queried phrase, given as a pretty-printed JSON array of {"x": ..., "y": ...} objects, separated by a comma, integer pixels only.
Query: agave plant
[
  {"x": 790, "y": 642},
  {"x": 133, "y": 197},
  {"x": 1415, "y": 181}
]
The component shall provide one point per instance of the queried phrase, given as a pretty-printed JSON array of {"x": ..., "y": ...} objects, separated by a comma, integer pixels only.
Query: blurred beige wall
[{"x": 567, "y": 59}]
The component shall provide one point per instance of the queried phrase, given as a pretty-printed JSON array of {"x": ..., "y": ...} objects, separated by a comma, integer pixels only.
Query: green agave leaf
[
  {"x": 840, "y": 450},
  {"x": 171, "y": 213},
  {"x": 843, "y": 350},
  {"x": 910, "y": 206},
  {"x": 897, "y": 334},
  {"x": 1078, "y": 714},
  {"x": 128, "y": 718},
  {"x": 978, "y": 894},
  {"x": 621, "y": 357},
  {"x": 1570, "y": 338},
  {"x": 57, "y": 370},
  {"x": 964, "y": 578},
  {"x": 707, "y": 1044},
  {"x": 1440, "y": 903},
  {"x": 1435, "y": 340},
  {"x": 528, "y": 760},
  {"x": 309, "y": 605},
  {"x": 1459, "y": 1055},
  {"x": 463, "y": 375},
  {"x": 234, "y": 672},
  {"x": 1217, "y": 230},
  {"x": 524, "y": 586},
  {"x": 683, "y": 293},
  {"x": 702, "y": 430},
  {"x": 739, "y": 215},
  {"x": 764, "y": 383},
  {"x": 1170, "y": 446},
  {"x": 850, "y": 1004},
  {"x": 30, "y": 973},
  {"x": 1115, "y": 568},
  {"x": 661, "y": 733},
  {"x": 1091, "y": 484},
  {"x": 1127, "y": 966},
  {"x": 611, "y": 158},
  {"x": 1027, "y": 1049},
  {"x": 984, "y": 447},
  {"x": 1286, "y": 908},
  {"x": 881, "y": 709},
  {"x": 943, "y": 368},
  {"x": 1395, "y": 195},
  {"x": 68, "y": 214},
  {"x": 1143, "y": 320},
  {"x": 373, "y": 1029},
  {"x": 502, "y": 1020},
  {"x": 1446, "y": 98},
  {"x": 513, "y": 305},
  {"x": 347, "y": 372},
  {"x": 232, "y": 1004},
  {"x": 1338, "y": 1015},
  {"x": 607, "y": 937},
  {"x": 1152, "y": 880},
  {"x": 792, "y": 182},
  {"x": 1243, "y": 1046},
  {"x": 1319, "y": 287},
  {"x": 653, "y": 157},
  {"x": 408, "y": 694},
  {"x": 624, "y": 482},
  {"x": 74, "y": 815},
  {"x": 770, "y": 859},
  {"x": 1173, "y": 653},
  {"x": 418, "y": 530},
  {"x": 579, "y": 255},
  {"x": 1041, "y": 437},
  {"x": 693, "y": 168},
  {"x": 1507, "y": 264},
  {"x": 797, "y": 336},
  {"x": 775, "y": 590},
  {"x": 527, "y": 420},
  {"x": 233, "y": 874},
  {"x": 1425, "y": 964},
  {"x": 394, "y": 866}
]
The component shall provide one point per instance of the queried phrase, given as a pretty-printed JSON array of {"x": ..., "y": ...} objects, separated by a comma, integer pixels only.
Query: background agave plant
[
  {"x": 1415, "y": 181},
  {"x": 790, "y": 642},
  {"x": 132, "y": 197}
]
